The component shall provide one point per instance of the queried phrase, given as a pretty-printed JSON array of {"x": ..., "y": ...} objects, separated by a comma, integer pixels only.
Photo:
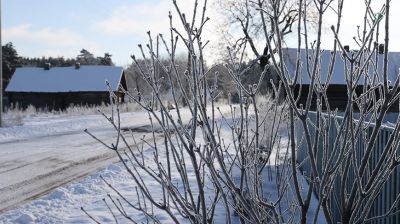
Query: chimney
[
  {"x": 47, "y": 66},
  {"x": 346, "y": 48},
  {"x": 77, "y": 65},
  {"x": 381, "y": 48}
]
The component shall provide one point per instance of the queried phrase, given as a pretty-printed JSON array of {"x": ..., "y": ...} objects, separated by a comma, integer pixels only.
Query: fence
[{"x": 388, "y": 193}]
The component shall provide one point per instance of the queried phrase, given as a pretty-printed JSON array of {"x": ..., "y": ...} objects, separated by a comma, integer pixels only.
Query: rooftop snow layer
[
  {"x": 65, "y": 79},
  {"x": 338, "y": 77}
]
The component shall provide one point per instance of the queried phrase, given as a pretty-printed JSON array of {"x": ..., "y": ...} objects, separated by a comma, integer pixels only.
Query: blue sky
[{"x": 62, "y": 28}]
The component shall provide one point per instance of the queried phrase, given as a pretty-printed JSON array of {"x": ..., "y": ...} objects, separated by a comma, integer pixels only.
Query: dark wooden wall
[
  {"x": 337, "y": 97},
  {"x": 57, "y": 101}
]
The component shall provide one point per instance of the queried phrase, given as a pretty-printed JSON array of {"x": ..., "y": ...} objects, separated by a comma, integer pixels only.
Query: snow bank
[{"x": 46, "y": 125}]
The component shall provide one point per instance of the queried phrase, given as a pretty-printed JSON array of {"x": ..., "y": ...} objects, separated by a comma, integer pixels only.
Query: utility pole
[{"x": 1, "y": 74}]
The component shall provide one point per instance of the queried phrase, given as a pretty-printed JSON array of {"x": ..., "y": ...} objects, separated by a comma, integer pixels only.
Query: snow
[
  {"x": 44, "y": 125},
  {"x": 338, "y": 76},
  {"x": 34, "y": 126},
  {"x": 48, "y": 151},
  {"x": 84, "y": 79},
  {"x": 62, "y": 204}
]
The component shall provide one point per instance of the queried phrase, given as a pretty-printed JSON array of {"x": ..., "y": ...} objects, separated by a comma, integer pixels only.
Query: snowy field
[{"x": 64, "y": 141}]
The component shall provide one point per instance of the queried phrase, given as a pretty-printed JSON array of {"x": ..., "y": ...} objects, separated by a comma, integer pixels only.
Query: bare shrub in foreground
[{"x": 198, "y": 169}]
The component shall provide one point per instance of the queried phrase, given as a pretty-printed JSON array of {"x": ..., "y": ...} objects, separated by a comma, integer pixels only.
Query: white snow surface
[
  {"x": 65, "y": 79},
  {"x": 62, "y": 205},
  {"x": 46, "y": 125},
  {"x": 49, "y": 151}
]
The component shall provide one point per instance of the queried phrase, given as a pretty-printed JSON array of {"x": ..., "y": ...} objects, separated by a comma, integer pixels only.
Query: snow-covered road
[
  {"x": 32, "y": 167},
  {"x": 49, "y": 151}
]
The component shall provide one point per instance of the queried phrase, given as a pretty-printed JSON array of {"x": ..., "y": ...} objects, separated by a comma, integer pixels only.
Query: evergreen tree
[
  {"x": 11, "y": 61},
  {"x": 86, "y": 58},
  {"x": 106, "y": 60}
]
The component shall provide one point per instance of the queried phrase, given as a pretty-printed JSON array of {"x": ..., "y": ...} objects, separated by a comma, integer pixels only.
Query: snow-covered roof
[
  {"x": 338, "y": 76},
  {"x": 89, "y": 78}
]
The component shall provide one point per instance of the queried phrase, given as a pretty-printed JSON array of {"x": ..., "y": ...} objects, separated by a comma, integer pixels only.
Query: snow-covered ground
[
  {"x": 42, "y": 140},
  {"x": 47, "y": 152},
  {"x": 48, "y": 125},
  {"x": 50, "y": 150},
  {"x": 63, "y": 204}
]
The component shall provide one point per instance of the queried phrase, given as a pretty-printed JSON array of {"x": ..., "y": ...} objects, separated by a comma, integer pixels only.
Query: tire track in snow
[{"x": 59, "y": 167}]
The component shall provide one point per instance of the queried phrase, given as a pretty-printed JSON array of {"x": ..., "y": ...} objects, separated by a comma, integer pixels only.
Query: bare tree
[
  {"x": 243, "y": 16},
  {"x": 199, "y": 169},
  {"x": 137, "y": 83}
]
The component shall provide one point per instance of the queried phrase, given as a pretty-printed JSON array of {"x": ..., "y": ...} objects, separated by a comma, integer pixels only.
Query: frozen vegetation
[{"x": 62, "y": 205}]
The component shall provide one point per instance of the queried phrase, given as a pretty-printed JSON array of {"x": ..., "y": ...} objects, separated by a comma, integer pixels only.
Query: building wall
[
  {"x": 57, "y": 101},
  {"x": 337, "y": 97}
]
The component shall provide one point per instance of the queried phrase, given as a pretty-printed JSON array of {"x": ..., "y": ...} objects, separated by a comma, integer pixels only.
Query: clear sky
[{"x": 61, "y": 28}]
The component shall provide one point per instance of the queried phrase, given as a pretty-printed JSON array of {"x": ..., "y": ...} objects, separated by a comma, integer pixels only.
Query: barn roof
[
  {"x": 65, "y": 79},
  {"x": 338, "y": 76}
]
